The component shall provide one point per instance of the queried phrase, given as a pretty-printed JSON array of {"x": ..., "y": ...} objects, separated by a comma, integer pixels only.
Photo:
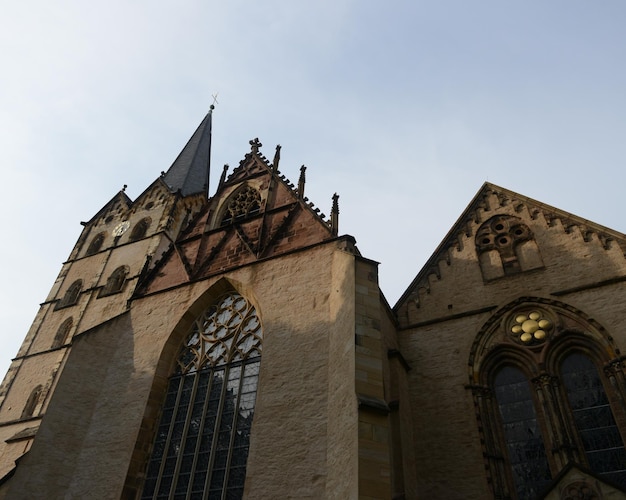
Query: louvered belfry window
[{"x": 202, "y": 440}]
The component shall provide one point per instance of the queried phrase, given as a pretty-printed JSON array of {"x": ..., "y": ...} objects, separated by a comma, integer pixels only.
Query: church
[{"x": 238, "y": 346}]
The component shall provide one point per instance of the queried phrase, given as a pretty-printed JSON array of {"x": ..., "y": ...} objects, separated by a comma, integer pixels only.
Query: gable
[
  {"x": 256, "y": 214},
  {"x": 502, "y": 238}
]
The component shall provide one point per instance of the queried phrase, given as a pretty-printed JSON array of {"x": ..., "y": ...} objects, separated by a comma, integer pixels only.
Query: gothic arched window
[
  {"x": 547, "y": 382},
  {"x": 31, "y": 402},
  {"x": 62, "y": 333},
  {"x": 245, "y": 202},
  {"x": 96, "y": 244},
  {"x": 71, "y": 295},
  {"x": 202, "y": 440},
  {"x": 522, "y": 434},
  {"x": 593, "y": 417},
  {"x": 140, "y": 229},
  {"x": 115, "y": 282}
]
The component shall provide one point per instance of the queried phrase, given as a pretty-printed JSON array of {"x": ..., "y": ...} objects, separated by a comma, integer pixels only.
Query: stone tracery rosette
[
  {"x": 531, "y": 326},
  {"x": 245, "y": 202},
  {"x": 225, "y": 332}
]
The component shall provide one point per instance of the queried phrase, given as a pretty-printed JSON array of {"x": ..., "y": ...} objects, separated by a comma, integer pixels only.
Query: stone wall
[
  {"x": 300, "y": 426},
  {"x": 442, "y": 314}
]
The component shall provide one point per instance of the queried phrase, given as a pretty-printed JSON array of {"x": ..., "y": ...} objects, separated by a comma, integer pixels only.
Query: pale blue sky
[{"x": 403, "y": 108}]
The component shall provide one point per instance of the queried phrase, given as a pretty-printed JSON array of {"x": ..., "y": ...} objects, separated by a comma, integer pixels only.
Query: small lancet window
[
  {"x": 62, "y": 333},
  {"x": 96, "y": 244},
  {"x": 115, "y": 282},
  {"x": 140, "y": 229},
  {"x": 71, "y": 295},
  {"x": 244, "y": 203},
  {"x": 505, "y": 246},
  {"x": 31, "y": 402},
  {"x": 202, "y": 440}
]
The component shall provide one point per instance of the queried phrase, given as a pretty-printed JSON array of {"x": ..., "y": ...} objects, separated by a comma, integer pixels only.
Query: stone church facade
[{"x": 239, "y": 346}]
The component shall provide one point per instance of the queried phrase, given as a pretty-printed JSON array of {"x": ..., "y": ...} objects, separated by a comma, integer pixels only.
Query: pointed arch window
[
  {"x": 31, "y": 402},
  {"x": 96, "y": 244},
  {"x": 244, "y": 203},
  {"x": 202, "y": 440},
  {"x": 140, "y": 229},
  {"x": 115, "y": 282},
  {"x": 71, "y": 295},
  {"x": 522, "y": 434},
  {"x": 546, "y": 396},
  {"x": 593, "y": 417},
  {"x": 62, "y": 334}
]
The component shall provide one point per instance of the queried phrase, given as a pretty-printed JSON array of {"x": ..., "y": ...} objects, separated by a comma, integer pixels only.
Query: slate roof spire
[{"x": 190, "y": 171}]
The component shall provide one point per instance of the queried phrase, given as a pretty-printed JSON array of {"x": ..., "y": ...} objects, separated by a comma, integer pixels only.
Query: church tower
[
  {"x": 198, "y": 347},
  {"x": 97, "y": 282}
]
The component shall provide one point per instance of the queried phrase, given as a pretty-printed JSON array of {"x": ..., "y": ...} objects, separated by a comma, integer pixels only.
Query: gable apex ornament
[{"x": 255, "y": 144}]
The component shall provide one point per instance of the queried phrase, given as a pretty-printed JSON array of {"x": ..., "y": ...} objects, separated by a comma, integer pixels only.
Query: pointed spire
[{"x": 190, "y": 171}]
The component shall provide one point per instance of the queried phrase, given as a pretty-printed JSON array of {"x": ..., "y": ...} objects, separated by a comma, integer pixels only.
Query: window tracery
[
  {"x": 522, "y": 434},
  {"x": 245, "y": 202},
  {"x": 543, "y": 401},
  {"x": 505, "y": 245},
  {"x": 531, "y": 327},
  {"x": 593, "y": 418},
  {"x": 202, "y": 440}
]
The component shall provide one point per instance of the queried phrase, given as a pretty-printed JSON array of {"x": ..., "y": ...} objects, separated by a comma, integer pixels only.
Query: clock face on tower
[{"x": 121, "y": 228}]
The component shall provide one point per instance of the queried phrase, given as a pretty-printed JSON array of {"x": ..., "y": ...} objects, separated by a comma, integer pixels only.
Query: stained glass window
[
  {"x": 524, "y": 442},
  {"x": 593, "y": 417},
  {"x": 202, "y": 441},
  {"x": 245, "y": 203}
]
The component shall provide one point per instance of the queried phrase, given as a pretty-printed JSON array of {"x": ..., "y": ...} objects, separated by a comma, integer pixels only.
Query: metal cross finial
[{"x": 214, "y": 96}]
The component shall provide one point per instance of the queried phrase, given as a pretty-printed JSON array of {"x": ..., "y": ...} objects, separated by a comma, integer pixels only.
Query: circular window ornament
[{"x": 531, "y": 326}]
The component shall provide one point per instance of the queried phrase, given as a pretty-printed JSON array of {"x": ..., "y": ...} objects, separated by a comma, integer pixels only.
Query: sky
[{"x": 403, "y": 108}]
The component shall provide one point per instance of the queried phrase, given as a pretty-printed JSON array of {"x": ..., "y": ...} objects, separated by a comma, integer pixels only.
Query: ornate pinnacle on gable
[
  {"x": 276, "y": 159},
  {"x": 255, "y": 144},
  {"x": 334, "y": 216},
  {"x": 223, "y": 176},
  {"x": 301, "y": 182}
]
